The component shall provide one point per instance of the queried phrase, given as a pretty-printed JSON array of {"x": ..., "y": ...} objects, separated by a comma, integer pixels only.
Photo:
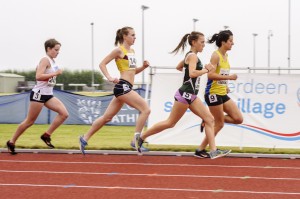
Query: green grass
[
  {"x": 66, "y": 137},
  {"x": 108, "y": 138}
]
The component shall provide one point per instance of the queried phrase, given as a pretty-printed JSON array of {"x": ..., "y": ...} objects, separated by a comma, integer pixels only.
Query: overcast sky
[{"x": 26, "y": 24}]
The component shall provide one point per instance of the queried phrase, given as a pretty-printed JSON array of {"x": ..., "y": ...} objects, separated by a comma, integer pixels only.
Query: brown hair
[
  {"x": 120, "y": 33},
  {"x": 190, "y": 37},
  {"x": 51, "y": 43}
]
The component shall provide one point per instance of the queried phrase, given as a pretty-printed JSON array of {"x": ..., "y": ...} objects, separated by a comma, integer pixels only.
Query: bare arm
[
  {"x": 214, "y": 60},
  {"x": 180, "y": 65},
  {"x": 192, "y": 60},
  {"x": 40, "y": 71},
  {"x": 113, "y": 55},
  {"x": 146, "y": 64}
]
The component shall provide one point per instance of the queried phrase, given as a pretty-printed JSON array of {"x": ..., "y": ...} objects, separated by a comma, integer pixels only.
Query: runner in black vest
[{"x": 186, "y": 95}]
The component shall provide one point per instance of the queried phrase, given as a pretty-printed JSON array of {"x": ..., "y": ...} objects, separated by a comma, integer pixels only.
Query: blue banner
[{"x": 82, "y": 109}]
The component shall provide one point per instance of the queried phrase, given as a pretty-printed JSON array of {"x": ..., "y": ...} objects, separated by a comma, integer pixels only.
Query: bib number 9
[{"x": 213, "y": 98}]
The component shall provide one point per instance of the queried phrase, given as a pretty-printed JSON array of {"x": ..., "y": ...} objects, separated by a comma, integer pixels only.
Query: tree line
[{"x": 67, "y": 77}]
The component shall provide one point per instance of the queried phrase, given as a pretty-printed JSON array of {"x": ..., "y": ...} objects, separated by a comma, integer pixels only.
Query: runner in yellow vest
[{"x": 216, "y": 88}]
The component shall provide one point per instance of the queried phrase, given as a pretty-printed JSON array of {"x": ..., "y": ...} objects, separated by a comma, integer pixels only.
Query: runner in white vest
[{"x": 42, "y": 95}]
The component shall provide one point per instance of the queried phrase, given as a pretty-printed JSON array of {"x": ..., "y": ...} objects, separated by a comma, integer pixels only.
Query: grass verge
[{"x": 108, "y": 138}]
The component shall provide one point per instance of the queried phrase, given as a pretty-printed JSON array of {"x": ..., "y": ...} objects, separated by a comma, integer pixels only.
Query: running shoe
[
  {"x": 143, "y": 149},
  {"x": 11, "y": 148},
  {"x": 202, "y": 126},
  {"x": 137, "y": 144},
  {"x": 218, "y": 153},
  {"x": 46, "y": 138},
  {"x": 82, "y": 144},
  {"x": 201, "y": 153}
]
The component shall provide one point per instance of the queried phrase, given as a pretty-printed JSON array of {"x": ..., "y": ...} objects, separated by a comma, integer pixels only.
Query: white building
[{"x": 9, "y": 82}]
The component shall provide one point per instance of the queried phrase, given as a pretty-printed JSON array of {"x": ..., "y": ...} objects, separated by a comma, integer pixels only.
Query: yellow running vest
[
  {"x": 219, "y": 87},
  {"x": 128, "y": 62}
]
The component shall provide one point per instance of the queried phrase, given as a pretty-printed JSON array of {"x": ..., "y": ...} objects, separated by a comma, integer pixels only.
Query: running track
[{"x": 72, "y": 176}]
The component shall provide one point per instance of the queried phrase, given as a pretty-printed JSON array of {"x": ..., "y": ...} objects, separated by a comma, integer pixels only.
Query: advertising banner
[{"x": 270, "y": 105}]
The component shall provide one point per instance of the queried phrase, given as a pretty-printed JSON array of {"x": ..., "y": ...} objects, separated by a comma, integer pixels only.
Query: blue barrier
[{"x": 82, "y": 109}]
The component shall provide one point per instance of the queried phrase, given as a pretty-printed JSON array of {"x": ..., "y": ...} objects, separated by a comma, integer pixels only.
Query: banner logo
[{"x": 89, "y": 110}]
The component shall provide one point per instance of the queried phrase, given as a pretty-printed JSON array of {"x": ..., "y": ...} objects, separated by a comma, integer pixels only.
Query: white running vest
[{"x": 46, "y": 87}]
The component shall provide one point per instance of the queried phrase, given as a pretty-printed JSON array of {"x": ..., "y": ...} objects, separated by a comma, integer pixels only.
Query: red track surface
[{"x": 64, "y": 176}]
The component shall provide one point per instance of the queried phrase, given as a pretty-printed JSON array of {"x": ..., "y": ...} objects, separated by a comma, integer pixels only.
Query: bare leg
[
  {"x": 218, "y": 113},
  {"x": 134, "y": 100},
  {"x": 198, "y": 108},
  {"x": 177, "y": 112},
  {"x": 234, "y": 115},
  {"x": 33, "y": 112},
  {"x": 112, "y": 109},
  {"x": 57, "y": 106}
]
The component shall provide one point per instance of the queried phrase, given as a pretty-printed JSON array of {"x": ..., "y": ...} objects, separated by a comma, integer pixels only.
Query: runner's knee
[
  {"x": 64, "y": 115},
  {"x": 210, "y": 120},
  {"x": 170, "y": 124},
  {"x": 146, "y": 111},
  {"x": 28, "y": 123},
  {"x": 219, "y": 125},
  {"x": 107, "y": 119},
  {"x": 238, "y": 120}
]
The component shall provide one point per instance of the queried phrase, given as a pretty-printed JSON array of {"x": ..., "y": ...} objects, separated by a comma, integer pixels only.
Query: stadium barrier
[{"x": 82, "y": 109}]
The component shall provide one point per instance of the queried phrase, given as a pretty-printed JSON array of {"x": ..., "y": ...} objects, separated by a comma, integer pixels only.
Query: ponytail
[
  {"x": 182, "y": 44},
  {"x": 220, "y": 37},
  {"x": 190, "y": 37}
]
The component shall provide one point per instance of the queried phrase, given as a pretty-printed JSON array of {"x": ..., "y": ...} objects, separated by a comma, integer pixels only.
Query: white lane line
[
  {"x": 152, "y": 189},
  {"x": 149, "y": 164},
  {"x": 145, "y": 174}
]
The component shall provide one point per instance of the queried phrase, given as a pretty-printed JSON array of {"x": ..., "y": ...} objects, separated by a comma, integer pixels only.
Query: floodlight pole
[
  {"x": 92, "y": 52},
  {"x": 289, "y": 35},
  {"x": 254, "y": 64},
  {"x": 143, "y": 41},
  {"x": 270, "y": 34},
  {"x": 194, "y": 23}
]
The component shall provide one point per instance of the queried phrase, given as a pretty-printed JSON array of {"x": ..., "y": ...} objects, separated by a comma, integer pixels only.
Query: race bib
[
  {"x": 37, "y": 96},
  {"x": 131, "y": 60},
  {"x": 212, "y": 98},
  {"x": 187, "y": 95},
  {"x": 223, "y": 72},
  {"x": 125, "y": 87}
]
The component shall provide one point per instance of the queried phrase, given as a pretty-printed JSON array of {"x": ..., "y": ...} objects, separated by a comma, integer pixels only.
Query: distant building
[{"x": 9, "y": 82}]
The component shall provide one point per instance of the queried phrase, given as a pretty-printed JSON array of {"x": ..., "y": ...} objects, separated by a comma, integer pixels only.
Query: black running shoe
[
  {"x": 201, "y": 153},
  {"x": 46, "y": 138},
  {"x": 11, "y": 148},
  {"x": 202, "y": 126}
]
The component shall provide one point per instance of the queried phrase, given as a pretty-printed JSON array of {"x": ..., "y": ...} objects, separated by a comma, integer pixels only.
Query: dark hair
[
  {"x": 190, "y": 37},
  {"x": 120, "y": 33},
  {"x": 219, "y": 37},
  {"x": 51, "y": 43}
]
